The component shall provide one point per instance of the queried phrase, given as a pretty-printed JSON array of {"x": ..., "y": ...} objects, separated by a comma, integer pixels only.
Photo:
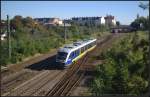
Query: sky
[{"x": 124, "y": 11}]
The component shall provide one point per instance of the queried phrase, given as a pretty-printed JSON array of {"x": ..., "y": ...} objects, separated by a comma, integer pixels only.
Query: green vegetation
[
  {"x": 141, "y": 23},
  {"x": 29, "y": 38},
  {"x": 125, "y": 69}
]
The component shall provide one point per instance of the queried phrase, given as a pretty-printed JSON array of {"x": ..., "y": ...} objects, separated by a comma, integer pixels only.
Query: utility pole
[
  {"x": 8, "y": 36},
  {"x": 64, "y": 32}
]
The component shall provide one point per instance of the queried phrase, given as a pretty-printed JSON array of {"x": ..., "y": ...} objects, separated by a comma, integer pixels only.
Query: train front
[{"x": 61, "y": 57}]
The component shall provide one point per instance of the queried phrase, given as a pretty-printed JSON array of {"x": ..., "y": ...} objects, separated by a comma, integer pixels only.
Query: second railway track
[
  {"x": 69, "y": 80},
  {"x": 30, "y": 87}
]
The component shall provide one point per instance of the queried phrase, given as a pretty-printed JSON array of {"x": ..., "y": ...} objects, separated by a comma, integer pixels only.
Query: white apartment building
[
  {"x": 92, "y": 20},
  {"x": 108, "y": 20},
  {"x": 102, "y": 20}
]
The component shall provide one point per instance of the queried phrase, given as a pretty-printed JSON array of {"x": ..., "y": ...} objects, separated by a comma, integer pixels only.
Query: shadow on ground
[{"x": 46, "y": 64}]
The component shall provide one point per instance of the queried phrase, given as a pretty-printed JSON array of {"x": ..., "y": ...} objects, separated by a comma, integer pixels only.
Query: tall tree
[{"x": 16, "y": 22}]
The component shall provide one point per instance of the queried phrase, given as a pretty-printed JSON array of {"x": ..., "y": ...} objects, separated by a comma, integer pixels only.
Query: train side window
[
  {"x": 74, "y": 54},
  {"x": 94, "y": 42},
  {"x": 82, "y": 49},
  {"x": 86, "y": 47},
  {"x": 77, "y": 52},
  {"x": 89, "y": 45},
  {"x": 71, "y": 55}
]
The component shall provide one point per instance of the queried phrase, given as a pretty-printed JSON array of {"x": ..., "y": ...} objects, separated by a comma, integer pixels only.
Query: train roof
[{"x": 75, "y": 45}]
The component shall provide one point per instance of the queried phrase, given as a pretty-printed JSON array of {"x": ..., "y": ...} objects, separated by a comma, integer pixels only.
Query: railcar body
[{"x": 72, "y": 52}]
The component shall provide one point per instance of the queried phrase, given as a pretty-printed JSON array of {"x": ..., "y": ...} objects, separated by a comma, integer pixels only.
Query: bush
[{"x": 125, "y": 68}]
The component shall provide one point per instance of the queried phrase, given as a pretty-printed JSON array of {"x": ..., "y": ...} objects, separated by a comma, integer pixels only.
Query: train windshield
[{"x": 61, "y": 55}]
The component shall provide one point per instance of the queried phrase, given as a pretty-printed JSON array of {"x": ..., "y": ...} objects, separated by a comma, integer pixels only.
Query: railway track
[
  {"x": 30, "y": 87},
  {"x": 9, "y": 82},
  {"x": 69, "y": 80},
  {"x": 55, "y": 82}
]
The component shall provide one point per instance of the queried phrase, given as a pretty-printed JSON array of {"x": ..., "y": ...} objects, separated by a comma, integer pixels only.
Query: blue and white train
[{"x": 72, "y": 52}]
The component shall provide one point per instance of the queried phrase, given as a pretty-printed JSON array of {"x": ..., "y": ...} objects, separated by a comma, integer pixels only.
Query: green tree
[
  {"x": 141, "y": 23},
  {"x": 137, "y": 85},
  {"x": 29, "y": 22},
  {"x": 126, "y": 67},
  {"x": 119, "y": 81},
  {"x": 16, "y": 22}
]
